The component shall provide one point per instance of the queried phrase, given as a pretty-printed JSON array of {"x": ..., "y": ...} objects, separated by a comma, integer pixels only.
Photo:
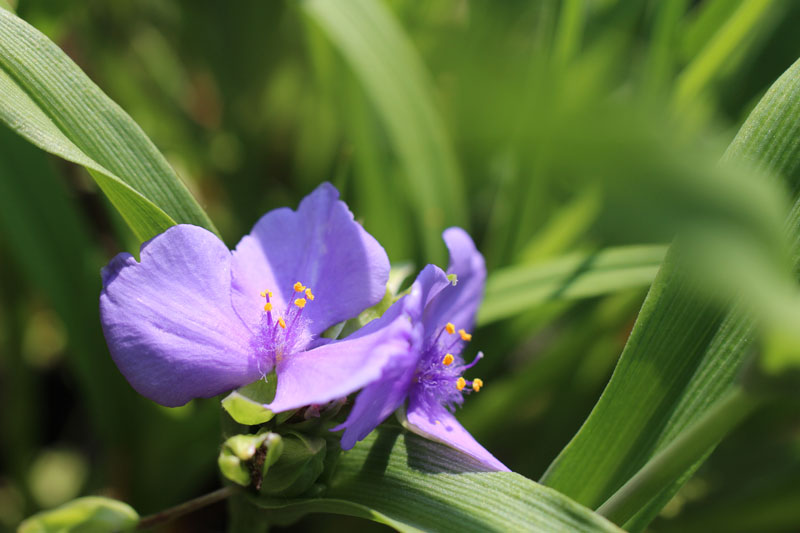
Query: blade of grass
[
  {"x": 413, "y": 484},
  {"x": 46, "y": 98},
  {"x": 768, "y": 140},
  {"x": 678, "y": 359},
  {"x": 514, "y": 289},
  {"x": 395, "y": 79},
  {"x": 752, "y": 17}
]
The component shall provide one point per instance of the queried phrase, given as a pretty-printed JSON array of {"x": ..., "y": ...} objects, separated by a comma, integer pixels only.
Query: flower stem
[
  {"x": 185, "y": 508},
  {"x": 680, "y": 454}
]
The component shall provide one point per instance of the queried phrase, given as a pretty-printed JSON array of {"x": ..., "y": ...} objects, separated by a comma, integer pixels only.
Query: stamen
[
  {"x": 298, "y": 287},
  {"x": 464, "y": 335},
  {"x": 268, "y": 307},
  {"x": 450, "y": 328},
  {"x": 264, "y": 294},
  {"x": 448, "y": 359},
  {"x": 477, "y": 383},
  {"x": 474, "y": 361},
  {"x": 282, "y": 322},
  {"x": 300, "y": 302},
  {"x": 461, "y": 383},
  {"x": 309, "y": 295}
]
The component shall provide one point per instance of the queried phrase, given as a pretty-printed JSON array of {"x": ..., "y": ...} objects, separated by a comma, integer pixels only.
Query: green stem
[
  {"x": 185, "y": 508},
  {"x": 673, "y": 460}
]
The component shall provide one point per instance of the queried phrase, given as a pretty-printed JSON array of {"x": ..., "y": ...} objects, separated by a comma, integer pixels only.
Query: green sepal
[
  {"x": 239, "y": 458},
  {"x": 298, "y": 467},
  {"x": 246, "y": 404},
  {"x": 91, "y": 514}
]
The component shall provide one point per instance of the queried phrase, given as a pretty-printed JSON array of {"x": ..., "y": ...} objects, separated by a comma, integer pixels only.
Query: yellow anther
[
  {"x": 264, "y": 294},
  {"x": 309, "y": 295},
  {"x": 300, "y": 302},
  {"x": 298, "y": 287},
  {"x": 461, "y": 383},
  {"x": 282, "y": 323},
  {"x": 464, "y": 335},
  {"x": 450, "y": 328},
  {"x": 267, "y": 307},
  {"x": 477, "y": 383},
  {"x": 448, "y": 359}
]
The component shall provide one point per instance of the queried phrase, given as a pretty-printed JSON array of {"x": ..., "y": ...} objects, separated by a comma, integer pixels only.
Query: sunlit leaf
[
  {"x": 514, "y": 289},
  {"x": 396, "y": 81},
  {"x": 681, "y": 355},
  {"x": 413, "y": 484},
  {"x": 48, "y": 100}
]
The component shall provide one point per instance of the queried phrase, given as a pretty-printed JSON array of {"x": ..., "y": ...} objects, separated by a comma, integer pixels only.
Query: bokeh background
[{"x": 523, "y": 121}]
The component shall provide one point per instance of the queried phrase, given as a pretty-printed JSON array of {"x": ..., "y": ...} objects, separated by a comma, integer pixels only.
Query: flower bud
[{"x": 245, "y": 459}]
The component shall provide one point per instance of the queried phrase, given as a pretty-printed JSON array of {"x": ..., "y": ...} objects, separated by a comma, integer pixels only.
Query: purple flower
[
  {"x": 430, "y": 373},
  {"x": 193, "y": 319}
]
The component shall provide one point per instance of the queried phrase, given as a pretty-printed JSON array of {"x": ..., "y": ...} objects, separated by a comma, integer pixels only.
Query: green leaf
[
  {"x": 413, "y": 484},
  {"x": 751, "y": 18},
  {"x": 582, "y": 275},
  {"x": 48, "y": 100},
  {"x": 396, "y": 81},
  {"x": 246, "y": 404},
  {"x": 91, "y": 514},
  {"x": 681, "y": 356}
]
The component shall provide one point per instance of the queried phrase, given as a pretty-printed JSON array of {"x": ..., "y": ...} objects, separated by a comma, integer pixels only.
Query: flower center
[
  {"x": 439, "y": 377},
  {"x": 282, "y": 334}
]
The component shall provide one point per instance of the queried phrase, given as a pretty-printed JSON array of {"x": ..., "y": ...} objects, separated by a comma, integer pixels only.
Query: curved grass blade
[
  {"x": 48, "y": 100},
  {"x": 583, "y": 275},
  {"x": 681, "y": 356},
  {"x": 751, "y": 19},
  {"x": 413, "y": 484},
  {"x": 769, "y": 140},
  {"x": 395, "y": 79}
]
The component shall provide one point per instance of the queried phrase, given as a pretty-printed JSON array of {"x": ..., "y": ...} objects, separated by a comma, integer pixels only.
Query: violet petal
[
  {"x": 339, "y": 368},
  {"x": 169, "y": 322},
  {"x": 319, "y": 245},
  {"x": 440, "y": 425},
  {"x": 459, "y": 304}
]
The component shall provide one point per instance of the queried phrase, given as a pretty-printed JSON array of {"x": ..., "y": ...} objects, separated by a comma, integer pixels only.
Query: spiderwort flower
[
  {"x": 430, "y": 374},
  {"x": 193, "y": 319}
]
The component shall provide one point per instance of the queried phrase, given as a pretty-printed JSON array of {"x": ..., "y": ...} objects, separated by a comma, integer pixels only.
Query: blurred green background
[{"x": 525, "y": 122}]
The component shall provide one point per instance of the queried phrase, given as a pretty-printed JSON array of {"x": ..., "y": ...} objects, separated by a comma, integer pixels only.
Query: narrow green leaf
[
  {"x": 413, "y": 484},
  {"x": 396, "y": 81},
  {"x": 681, "y": 356},
  {"x": 673, "y": 460},
  {"x": 91, "y": 514},
  {"x": 571, "y": 20},
  {"x": 662, "y": 53},
  {"x": 47, "y": 99},
  {"x": 514, "y": 289},
  {"x": 738, "y": 31}
]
